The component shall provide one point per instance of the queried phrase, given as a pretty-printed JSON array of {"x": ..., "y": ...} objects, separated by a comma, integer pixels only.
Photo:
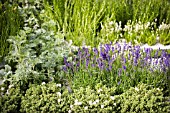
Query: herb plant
[{"x": 122, "y": 66}]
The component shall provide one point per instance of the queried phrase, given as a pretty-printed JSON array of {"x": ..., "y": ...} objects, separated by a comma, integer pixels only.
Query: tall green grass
[
  {"x": 79, "y": 20},
  {"x": 82, "y": 20},
  {"x": 10, "y": 23}
]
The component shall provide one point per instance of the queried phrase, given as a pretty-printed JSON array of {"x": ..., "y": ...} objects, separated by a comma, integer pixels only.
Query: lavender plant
[
  {"x": 87, "y": 20},
  {"x": 116, "y": 65},
  {"x": 164, "y": 33}
]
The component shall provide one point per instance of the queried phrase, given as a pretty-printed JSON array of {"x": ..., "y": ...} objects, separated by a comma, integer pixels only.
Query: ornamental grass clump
[{"x": 117, "y": 65}]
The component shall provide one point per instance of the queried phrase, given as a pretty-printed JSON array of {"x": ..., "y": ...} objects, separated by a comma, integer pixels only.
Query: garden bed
[{"x": 97, "y": 70}]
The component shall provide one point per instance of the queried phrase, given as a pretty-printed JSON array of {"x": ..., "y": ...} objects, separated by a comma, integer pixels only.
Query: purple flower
[
  {"x": 113, "y": 49},
  {"x": 156, "y": 54},
  {"x": 100, "y": 64},
  {"x": 64, "y": 68},
  {"x": 129, "y": 55},
  {"x": 119, "y": 48},
  {"x": 110, "y": 64},
  {"x": 167, "y": 62},
  {"x": 124, "y": 67},
  {"x": 137, "y": 52},
  {"x": 93, "y": 65},
  {"x": 94, "y": 61},
  {"x": 66, "y": 63},
  {"x": 103, "y": 55},
  {"x": 129, "y": 47},
  {"x": 86, "y": 52},
  {"x": 146, "y": 50},
  {"x": 110, "y": 67},
  {"x": 108, "y": 47},
  {"x": 119, "y": 72},
  {"x": 95, "y": 51},
  {"x": 163, "y": 54},
  {"x": 163, "y": 68},
  {"x": 79, "y": 52},
  {"x": 156, "y": 62},
  {"x": 87, "y": 62},
  {"x": 124, "y": 47},
  {"x": 135, "y": 61},
  {"x": 119, "y": 82},
  {"x": 77, "y": 65},
  {"x": 123, "y": 59},
  {"x": 65, "y": 60}
]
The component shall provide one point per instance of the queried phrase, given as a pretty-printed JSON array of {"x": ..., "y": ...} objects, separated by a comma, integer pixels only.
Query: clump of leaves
[
  {"x": 37, "y": 52},
  {"x": 144, "y": 99},
  {"x": 10, "y": 98},
  {"x": 44, "y": 98},
  {"x": 100, "y": 99},
  {"x": 51, "y": 97}
]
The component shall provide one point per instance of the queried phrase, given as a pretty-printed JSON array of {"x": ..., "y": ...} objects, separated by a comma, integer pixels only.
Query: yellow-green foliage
[
  {"x": 44, "y": 98},
  {"x": 10, "y": 100},
  {"x": 52, "y": 97},
  {"x": 98, "y": 100},
  {"x": 84, "y": 21},
  {"x": 144, "y": 99}
]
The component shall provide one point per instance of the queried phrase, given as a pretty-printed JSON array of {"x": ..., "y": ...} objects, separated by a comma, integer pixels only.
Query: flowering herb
[{"x": 110, "y": 65}]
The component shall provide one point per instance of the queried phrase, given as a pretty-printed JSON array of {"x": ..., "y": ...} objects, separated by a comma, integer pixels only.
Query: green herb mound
[
  {"x": 50, "y": 98},
  {"x": 144, "y": 99},
  {"x": 10, "y": 100},
  {"x": 44, "y": 98}
]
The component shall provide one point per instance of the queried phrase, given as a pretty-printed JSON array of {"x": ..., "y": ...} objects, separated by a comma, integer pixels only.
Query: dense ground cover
[{"x": 45, "y": 71}]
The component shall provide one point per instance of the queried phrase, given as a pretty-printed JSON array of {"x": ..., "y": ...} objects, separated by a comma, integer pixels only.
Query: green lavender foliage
[
  {"x": 82, "y": 21},
  {"x": 77, "y": 19},
  {"x": 164, "y": 33}
]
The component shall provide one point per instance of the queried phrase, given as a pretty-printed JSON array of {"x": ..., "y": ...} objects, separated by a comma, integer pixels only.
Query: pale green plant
[
  {"x": 38, "y": 54},
  {"x": 77, "y": 19},
  {"x": 164, "y": 33},
  {"x": 144, "y": 99},
  {"x": 47, "y": 98},
  {"x": 51, "y": 98},
  {"x": 82, "y": 21}
]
